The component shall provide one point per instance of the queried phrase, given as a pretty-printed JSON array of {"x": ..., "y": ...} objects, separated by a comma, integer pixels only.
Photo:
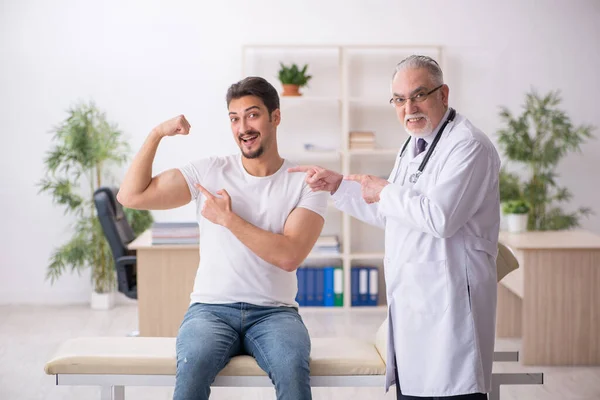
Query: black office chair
[{"x": 118, "y": 233}]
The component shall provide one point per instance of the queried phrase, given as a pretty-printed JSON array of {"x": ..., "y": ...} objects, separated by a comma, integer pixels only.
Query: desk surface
[
  {"x": 575, "y": 239},
  {"x": 547, "y": 240},
  {"x": 144, "y": 241}
]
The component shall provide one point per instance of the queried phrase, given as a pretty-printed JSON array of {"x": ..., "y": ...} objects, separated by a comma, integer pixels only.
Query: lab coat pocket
[
  {"x": 481, "y": 256},
  {"x": 425, "y": 288}
]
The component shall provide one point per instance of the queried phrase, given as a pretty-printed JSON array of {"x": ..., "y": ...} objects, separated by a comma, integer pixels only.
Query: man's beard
[
  {"x": 425, "y": 131},
  {"x": 251, "y": 154},
  {"x": 254, "y": 154}
]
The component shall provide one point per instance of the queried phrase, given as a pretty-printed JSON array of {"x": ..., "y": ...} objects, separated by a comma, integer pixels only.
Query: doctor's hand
[
  {"x": 371, "y": 186},
  {"x": 319, "y": 178},
  {"x": 216, "y": 209}
]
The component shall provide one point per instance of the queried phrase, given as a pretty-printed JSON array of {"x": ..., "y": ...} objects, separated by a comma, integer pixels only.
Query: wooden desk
[
  {"x": 165, "y": 278},
  {"x": 553, "y": 300}
]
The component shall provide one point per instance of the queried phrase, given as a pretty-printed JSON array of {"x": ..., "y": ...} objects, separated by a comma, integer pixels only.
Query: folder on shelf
[
  {"x": 301, "y": 296},
  {"x": 373, "y": 286},
  {"x": 310, "y": 287},
  {"x": 319, "y": 287},
  {"x": 354, "y": 281},
  {"x": 338, "y": 287},
  {"x": 328, "y": 280},
  {"x": 363, "y": 286}
]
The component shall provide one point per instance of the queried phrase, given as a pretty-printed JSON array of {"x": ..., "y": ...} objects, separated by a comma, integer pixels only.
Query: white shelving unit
[{"x": 349, "y": 91}]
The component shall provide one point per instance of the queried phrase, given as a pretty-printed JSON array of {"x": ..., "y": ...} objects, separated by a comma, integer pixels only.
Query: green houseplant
[
  {"x": 536, "y": 141},
  {"x": 516, "y": 212},
  {"x": 85, "y": 147},
  {"x": 293, "y": 78}
]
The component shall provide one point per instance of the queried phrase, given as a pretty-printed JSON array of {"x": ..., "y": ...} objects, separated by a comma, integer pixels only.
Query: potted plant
[
  {"x": 293, "y": 78},
  {"x": 86, "y": 145},
  {"x": 516, "y": 212},
  {"x": 536, "y": 141}
]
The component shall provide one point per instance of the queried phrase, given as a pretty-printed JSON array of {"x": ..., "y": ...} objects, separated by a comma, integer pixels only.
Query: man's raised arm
[{"x": 167, "y": 190}]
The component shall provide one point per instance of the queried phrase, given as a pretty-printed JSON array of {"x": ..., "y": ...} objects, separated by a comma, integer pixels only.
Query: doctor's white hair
[{"x": 417, "y": 61}]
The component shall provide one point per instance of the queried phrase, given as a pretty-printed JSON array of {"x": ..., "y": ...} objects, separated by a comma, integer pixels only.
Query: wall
[{"x": 145, "y": 62}]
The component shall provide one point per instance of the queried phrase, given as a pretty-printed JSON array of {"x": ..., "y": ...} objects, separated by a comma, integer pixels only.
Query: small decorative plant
[
  {"x": 515, "y": 207},
  {"x": 516, "y": 212},
  {"x": 537, "y": 140},
  {"x": 86, "y": 145},
  {"x": 293, "y": 78}
]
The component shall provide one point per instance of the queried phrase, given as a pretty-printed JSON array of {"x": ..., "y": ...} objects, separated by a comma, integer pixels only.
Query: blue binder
[
  {"x": 354, "y": 286},
  {"x": 373, "y": 286},
  {"x": 363, "y": 286},
  {"x": 319, "y": 287},
  {"x": 328, "y": 283},
  {"x": 310, "y": 287}
]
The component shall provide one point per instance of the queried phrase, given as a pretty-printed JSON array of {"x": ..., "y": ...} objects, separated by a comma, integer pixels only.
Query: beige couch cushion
[{"x": 156, "y": 356}]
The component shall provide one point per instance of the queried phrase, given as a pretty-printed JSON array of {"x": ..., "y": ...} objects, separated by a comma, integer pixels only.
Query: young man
[
  {"x": 440, "y": 210},
  {"x": 257, "y": 224}
]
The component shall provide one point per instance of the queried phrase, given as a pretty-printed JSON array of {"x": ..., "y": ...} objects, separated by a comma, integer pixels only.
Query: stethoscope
[{"x": 415, "y": 177}]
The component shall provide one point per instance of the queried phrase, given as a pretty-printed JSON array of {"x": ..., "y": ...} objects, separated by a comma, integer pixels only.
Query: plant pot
[
  {"x": 102, "y": 301},
  {"x": 516, "y": 222},
  {"x": 291, "y": 90}
]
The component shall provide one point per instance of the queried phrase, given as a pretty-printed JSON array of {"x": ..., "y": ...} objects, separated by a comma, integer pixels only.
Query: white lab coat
[{"x": 441, "y": 243}]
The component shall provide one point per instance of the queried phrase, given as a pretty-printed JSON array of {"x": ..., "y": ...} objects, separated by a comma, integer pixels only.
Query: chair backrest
[{"x": 116, "y": 228}]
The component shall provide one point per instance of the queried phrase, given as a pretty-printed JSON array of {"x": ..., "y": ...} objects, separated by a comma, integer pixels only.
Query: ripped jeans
[{"x": 211, "y": 334}]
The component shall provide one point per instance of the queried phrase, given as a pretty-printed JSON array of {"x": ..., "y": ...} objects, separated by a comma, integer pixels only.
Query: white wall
[{"x": 148, "y": 61}]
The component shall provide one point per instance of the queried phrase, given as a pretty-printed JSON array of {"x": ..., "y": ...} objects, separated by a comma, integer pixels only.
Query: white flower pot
[
  {"x": 102, "y": 301},
  {"x": 516, "y": 222}
]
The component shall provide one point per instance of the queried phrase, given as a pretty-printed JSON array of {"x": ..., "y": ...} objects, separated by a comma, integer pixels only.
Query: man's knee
[
  {"x": 203, "y": 346},
  {"x": 291, "y": 364}
]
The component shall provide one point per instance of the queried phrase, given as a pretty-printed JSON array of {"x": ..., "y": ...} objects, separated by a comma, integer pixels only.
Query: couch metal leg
[
  {"x": 513, "y": 379},
  {"x": 112, "y": 393},
  {"x": 118, "y": 392}
]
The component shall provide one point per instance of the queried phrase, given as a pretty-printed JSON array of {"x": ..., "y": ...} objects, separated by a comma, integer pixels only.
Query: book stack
[
  {"x": 362, "y": 140},
  {"x": 327, "y": 244},
  {"x": 175, "y": 233}
]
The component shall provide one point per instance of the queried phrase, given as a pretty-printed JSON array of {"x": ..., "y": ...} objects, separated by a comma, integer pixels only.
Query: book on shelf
[
  {"x": 175, "y": 233},
  {"x": 362, "y": 146},
  {"x": 327, "y": 244},
  {"x": 361, "y": 140},
  {"x": 362, "y": 134}
]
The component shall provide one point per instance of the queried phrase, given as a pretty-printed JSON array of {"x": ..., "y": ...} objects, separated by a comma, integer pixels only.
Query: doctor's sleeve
[
  {"x": 463, "y": 183},
  {"x": 348, "y": 198}
]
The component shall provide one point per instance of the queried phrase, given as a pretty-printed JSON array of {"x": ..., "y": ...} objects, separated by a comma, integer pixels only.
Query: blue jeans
[{"x": 211, "y": 334}]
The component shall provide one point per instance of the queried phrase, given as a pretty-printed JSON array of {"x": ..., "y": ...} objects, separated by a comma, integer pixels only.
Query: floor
[{"x": 29, "y": 335}]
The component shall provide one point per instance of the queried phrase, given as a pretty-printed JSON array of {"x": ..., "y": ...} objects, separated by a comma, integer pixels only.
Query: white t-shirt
[{"x": 229, "y": 272}]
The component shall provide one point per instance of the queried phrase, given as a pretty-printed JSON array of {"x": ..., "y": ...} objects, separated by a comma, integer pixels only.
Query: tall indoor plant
[
  {"x": 85, "y": 147},
  {"x": 536, "y": 140}
]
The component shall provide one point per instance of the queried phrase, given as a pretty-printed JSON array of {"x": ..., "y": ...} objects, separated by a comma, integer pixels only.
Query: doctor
[{"x": 441, "y": 213}]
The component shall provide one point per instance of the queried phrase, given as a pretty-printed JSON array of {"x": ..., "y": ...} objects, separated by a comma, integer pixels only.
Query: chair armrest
[{"x": 125, "y": 260}]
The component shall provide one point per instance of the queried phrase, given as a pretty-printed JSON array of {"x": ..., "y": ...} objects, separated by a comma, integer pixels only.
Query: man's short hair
[
  {"x": 254, "y": 86},
  {"x": 418, "y": 61}
]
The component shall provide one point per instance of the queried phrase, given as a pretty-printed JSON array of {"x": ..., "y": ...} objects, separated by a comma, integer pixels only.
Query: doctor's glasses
[{"x": 419, "y": 97}]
